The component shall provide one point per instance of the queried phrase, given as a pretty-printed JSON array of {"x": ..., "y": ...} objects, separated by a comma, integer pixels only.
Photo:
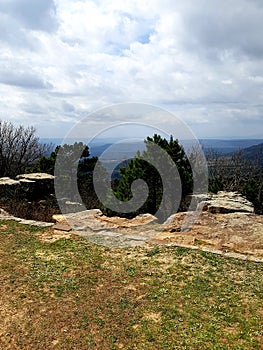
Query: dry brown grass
[{"x": 69, "y": 294}]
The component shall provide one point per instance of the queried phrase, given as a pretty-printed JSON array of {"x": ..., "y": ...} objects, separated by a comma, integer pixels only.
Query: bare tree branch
[{"x": 19, "y": 148}]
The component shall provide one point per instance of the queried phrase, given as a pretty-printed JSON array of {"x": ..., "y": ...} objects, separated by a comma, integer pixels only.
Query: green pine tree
[{"x": 141, "y": 167}]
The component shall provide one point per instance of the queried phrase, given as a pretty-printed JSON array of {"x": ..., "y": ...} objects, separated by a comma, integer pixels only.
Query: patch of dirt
[
  {"x": 153, "y": 316},
  {"x": 51, "y": 235}
]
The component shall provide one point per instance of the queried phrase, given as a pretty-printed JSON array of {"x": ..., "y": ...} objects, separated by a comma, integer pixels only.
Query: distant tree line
[{"x": 21, "y": 151}]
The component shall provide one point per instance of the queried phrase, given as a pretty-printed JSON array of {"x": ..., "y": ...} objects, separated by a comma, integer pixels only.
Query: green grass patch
[{"x": 71, "y": 294}]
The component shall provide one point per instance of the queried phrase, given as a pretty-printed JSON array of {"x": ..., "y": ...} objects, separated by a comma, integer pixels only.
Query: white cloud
[
  {"x": 65, "y": 58},
  {"x": 32, "y": 14}
]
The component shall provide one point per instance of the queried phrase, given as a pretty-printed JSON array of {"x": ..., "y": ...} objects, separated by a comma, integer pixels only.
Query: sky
[{"x": 62, "y": 60}]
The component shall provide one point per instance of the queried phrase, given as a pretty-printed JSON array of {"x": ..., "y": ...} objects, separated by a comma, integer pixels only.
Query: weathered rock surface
[
  {"x": 238, "y": 232},
  {"x": 231, "y": 233},
  {"x": 27, "y": 186},
  {"x": 95, "y": 220},
  {"x": 227, "y": 202},
  {"x": 234, "y": 231},
  {"x": 226, "y": 226},
  {"x": 6, "y": 181},
  {"x": 36, "y": 177},
  {"x": 110, "y": 231},
  {"x": 6, "y": 216}
]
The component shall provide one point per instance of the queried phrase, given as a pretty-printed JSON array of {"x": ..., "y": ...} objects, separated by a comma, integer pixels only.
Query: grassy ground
[{"x": 70, "y": 294}]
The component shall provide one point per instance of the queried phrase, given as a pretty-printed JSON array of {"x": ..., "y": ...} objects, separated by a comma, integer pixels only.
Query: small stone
[
  {"x": 136, "y": 238},
  {"x": 61, "y": 227}
]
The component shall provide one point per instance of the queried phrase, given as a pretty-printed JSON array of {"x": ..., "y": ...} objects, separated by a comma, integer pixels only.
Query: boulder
[
  {"x": 27, "y": 186},
  {"x": 227, "y": 202},
  {"x": 8, "y": 187},
  {"x": 95, "y": 220},
  {"x": 6, "y": 181},
  {"x": 239, "y": 232},
  {"x": 36, "y": 186},
  {"x": 36, "y": 177}
]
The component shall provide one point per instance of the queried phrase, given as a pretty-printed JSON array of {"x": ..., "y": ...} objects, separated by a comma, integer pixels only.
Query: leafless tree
[
  {"x": 19, "y": 148},
  {"x": 232, "y": 171}
]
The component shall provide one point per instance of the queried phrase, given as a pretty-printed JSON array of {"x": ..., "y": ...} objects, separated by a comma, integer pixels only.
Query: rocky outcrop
[
  {"x": 95, "y": 220},
  {"x": 227, "y": 202},
  {"x": 39, "y": 177},
  {"x": 8, "y": 187},
  {"x": 33, "y": 186},
  {"x": 235, "y": 234},
  {"x": 6, "y": 216},
  {"x": 113, "y": 231},
  {"x": 226, "y": 226},
  {"x": 6, "y": 181}
]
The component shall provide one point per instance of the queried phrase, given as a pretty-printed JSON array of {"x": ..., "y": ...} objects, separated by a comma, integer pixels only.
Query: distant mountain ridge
[
  {"x": 228, "y": 146},
  {"x": 251, "y": 148},
  {"x": 254, "y": 153}
]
